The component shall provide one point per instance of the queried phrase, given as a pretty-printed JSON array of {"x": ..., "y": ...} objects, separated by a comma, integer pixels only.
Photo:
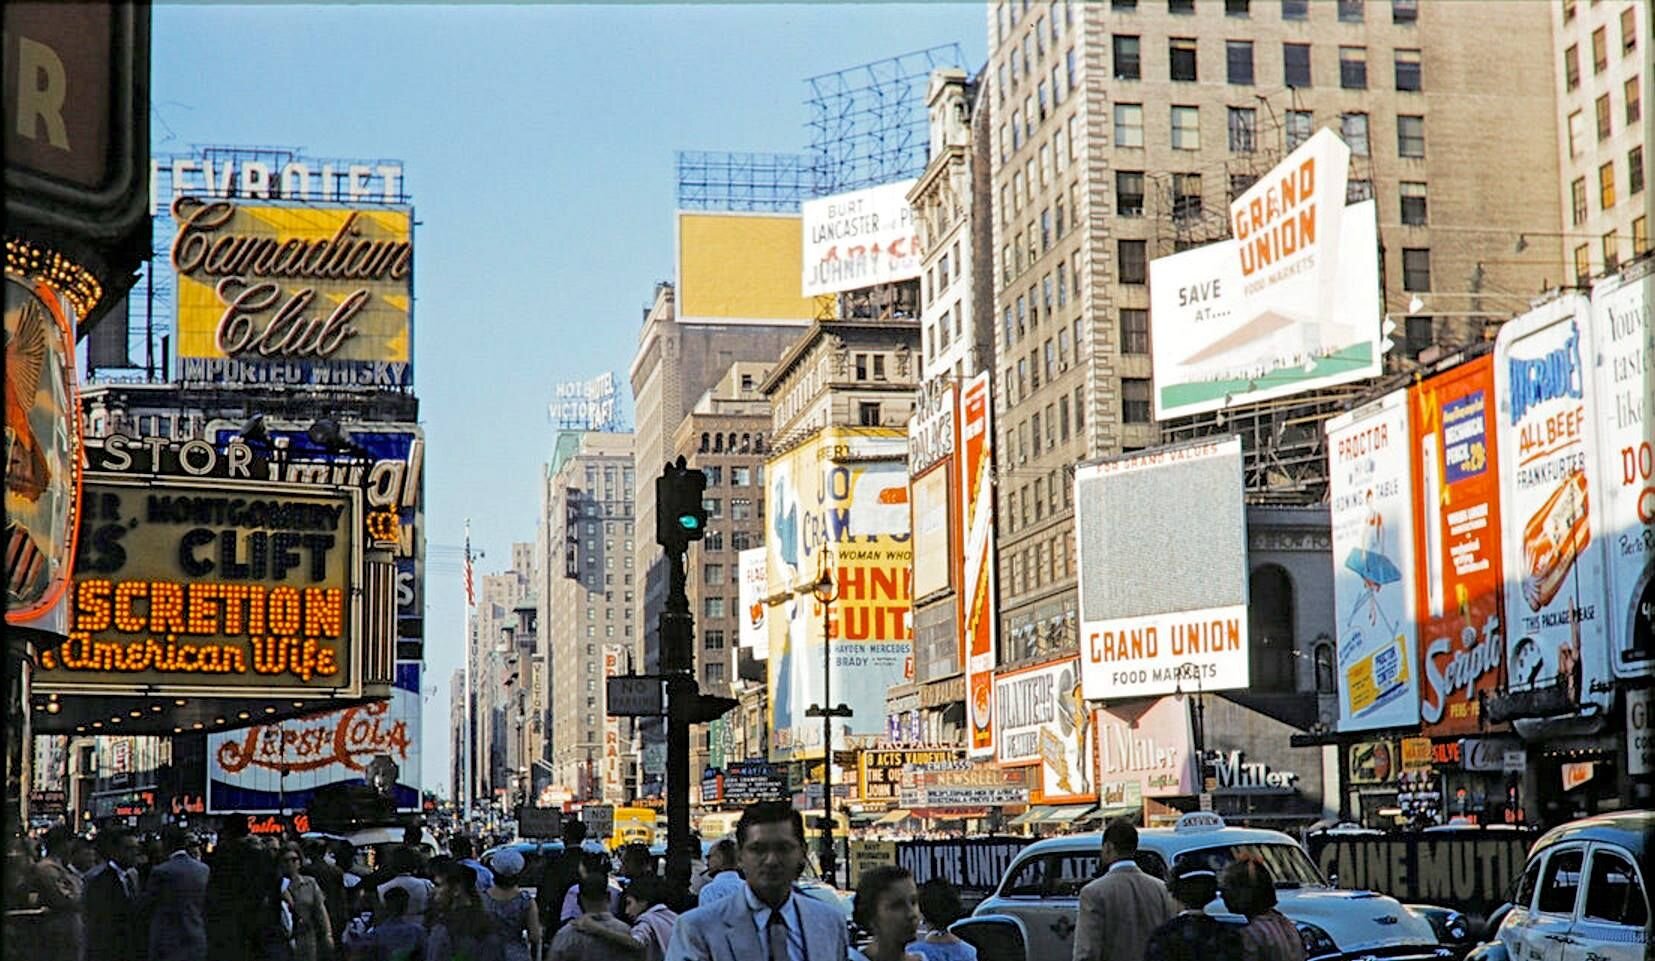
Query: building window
[
  {"x": 1296, "y": 64},
  {"x": 1132, "y": 262},
  {"x": 1413, "y": 203},
  {"x": 714, "y": 672},
  {"x": 1123, "y": 5},
  {"x": 741, "y": 476},
  {"x": 1611, "y": 251},
  {"x": 1180, "y": 6},
  {"x": 1568, "y": 11},
  {"x": 1128, "y": 65},
  {"x": 1354, "y": 128},
  {"x": 1606, "y": 186},
  {"x": 1583, "y": 264},
  {"x": 713, "y": 640},
  {"x": 1239, "y": 184},
  {"x": 1129, "y": 125},
  {"x": 1600, "y": 50},
  {"x": 1404, "y": 11},
  {"x": 1634, "y": 101},
  {"x": 1295, "y": 9},
  {"x": 1353, "y": 68},
  {"x": 712, "y": 575},
  {"x": 1080, "y": 409},
  {"x": 1408, "y": 71},
  {"x": 1135, "y": 400},
  {"x": 1635, "y": 171},
  {"x": 1606, "y": 123},
  {"x": 1629, "y": 31},
  {"x": 1186, "y": 196},
  {"x": 714, "y": 506},
  {"x": 1134, "y": 340},
  {"x": 1186, "y": 128},
  {"x": 1417, "y": 335},
  {"x": 1577, "y": 132},
  {"x": 1270, "y": 629},
  {"x": 1571, "y": 67},
  {"x": 741, "y": 508},
  {"x": 1416, "y": 268},
  {"x": 867, "y": 414},
  {"x": 1129, "y": 193},
  {"x": 1181, "y": 53},
  {"x": 1237, "y": 8},
  {"x": 1243, "y": 129},
  {"x": 1577, "y": 201},
  {"x": 1640, "y": 236},
  {"x": 1351, "y": 11},
  {"x": 1238, "y": 61},
  {"x": 1410, "y": 136},
  {"x": 713, "y": 606},
  {"x": 1299, "y": 123}
]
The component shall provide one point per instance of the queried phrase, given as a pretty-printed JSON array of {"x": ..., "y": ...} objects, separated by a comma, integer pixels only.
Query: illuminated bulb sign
[{"x": 223, "y": 587}]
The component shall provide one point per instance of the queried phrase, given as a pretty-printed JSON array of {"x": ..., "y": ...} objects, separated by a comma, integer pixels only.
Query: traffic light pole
[{"x": 677, "y": 663}]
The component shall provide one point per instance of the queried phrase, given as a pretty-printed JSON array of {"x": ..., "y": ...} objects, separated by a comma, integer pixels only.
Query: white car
[
  {"x": 1583, "y": 895},
  {"x": 1042, "y": 890}
]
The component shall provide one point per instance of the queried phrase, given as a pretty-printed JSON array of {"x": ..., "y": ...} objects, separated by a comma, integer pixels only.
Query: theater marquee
[{"x": 221, "y": 587}]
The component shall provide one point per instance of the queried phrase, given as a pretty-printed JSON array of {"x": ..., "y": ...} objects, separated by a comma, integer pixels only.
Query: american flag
[{"x": 470, "y": 589}]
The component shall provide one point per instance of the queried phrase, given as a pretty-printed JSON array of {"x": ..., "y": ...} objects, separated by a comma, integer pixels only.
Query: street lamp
[{"x": 825, "y": 593}]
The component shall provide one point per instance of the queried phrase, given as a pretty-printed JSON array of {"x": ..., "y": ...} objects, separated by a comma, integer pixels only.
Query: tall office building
[
  {"x": 497, "y": 676},
  {"x": 1122, "y": 130},
  {"x": 1603, "y": 62},
  {"x": 587, "y": 610}
]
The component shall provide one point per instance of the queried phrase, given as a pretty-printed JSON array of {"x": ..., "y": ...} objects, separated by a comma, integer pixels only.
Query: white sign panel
[
  {"x": 979, "y": 618},
  {"x": 755, "y": 635},
  {"x": 1626, "y": 397},
  {"x": 1151, "y": 752},
  {"x": 860, "y": 239},
  {"x": 1551, "y": 503},
  {"x": 1219, "y": 339},
  {"x": 1041, "y": 718},
  {"x": 1371, "y": 491},
  {"x": 1181, "y": 622}
]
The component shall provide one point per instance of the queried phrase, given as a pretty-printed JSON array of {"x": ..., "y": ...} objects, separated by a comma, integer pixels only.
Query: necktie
[{"x": 776, "y": 933}]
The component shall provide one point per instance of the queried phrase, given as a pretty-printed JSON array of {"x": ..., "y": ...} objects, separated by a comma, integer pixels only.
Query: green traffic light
[{"x": 689, "y": 522}]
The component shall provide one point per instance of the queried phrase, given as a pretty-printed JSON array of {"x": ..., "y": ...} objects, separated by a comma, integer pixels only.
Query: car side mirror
[{"x": 997, "y": 937}]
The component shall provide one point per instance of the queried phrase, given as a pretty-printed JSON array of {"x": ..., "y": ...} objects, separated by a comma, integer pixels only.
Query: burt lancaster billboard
[{"x": 212, "y": 587}]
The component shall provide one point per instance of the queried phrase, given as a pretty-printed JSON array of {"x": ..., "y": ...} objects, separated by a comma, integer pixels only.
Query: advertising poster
[
  {"x": 1291, "y": 303},
  {"x": 1373, "y": 762},
  {"x": 838, "y": 502},
  {"x": 1557, "y": 634},
  {"x": 755, "y": 633},
  {"x": 860, "y": 239},
  {"x": 213, "y": 586},
  {"x": 740, "y": 268},
  {"x": 1370, "y": 485},
  {"x": 979, "y": 615},
  {"x": 1041, "y": 720},
  {"x": 1179, "y": 624},
  {"x": 277, "y": 294},
  {"x": 279, "y": 767},
  {"x": 1459, "y": 571},
  {"x": 1625, "y": 385},
  {"x": 614, "y": 769},
  {"x": 1147, "y": 755},
  {"x": 879, "y": 773},
  {"x": 43, "y": 453},
  {"x": 933, "y": 561}
]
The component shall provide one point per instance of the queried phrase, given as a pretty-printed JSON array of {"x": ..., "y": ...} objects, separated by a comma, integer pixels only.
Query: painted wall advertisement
[
  {"x": 1457, "y": 527},
  {"x": 755, "y": 633},
  {"x": 860, "y": 239},
  {"x": 1041, "y": 719},
  {"x": 279, "y": 294},
  {"x": 279, "y": 767},
  {"x": 839, "y": 502},
  {"x": 1290, "y": 304},
  {"x": 614, "y": 768},
  {"x": 207, "y": 587},
  {"x": 1556, "y": 632},
  {"x": 1181, "y": 624},
  {"x": 1626, "y": 398},
  {"x": 1146, "y": 755},
  {"x": 979, "y": 616},
  {"x": 1371, "y": 491}
]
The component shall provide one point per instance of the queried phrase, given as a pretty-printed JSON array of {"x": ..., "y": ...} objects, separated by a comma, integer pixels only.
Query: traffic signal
[{"x": 680, "y": 515}]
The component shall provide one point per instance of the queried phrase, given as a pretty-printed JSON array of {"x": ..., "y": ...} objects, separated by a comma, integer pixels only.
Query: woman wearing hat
[
  {"x": 1192, "y": 934},
  {"x": 511, "y": 909}
]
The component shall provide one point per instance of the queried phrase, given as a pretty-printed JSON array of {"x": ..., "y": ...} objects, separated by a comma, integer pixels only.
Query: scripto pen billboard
[
  {"x": 860, "y": 239},
  {"x": 979, "y": 616},
  {"x": 1557, "y": 634},
  {"x": 305, "y": 295},
  {"x": 279, "y": 767},
  {"x": 1041, "y": 718},
  {"x": 1371, "y": 492},
  {"x": 1291, "y": 303},
  {"x": 839, "y": 502},
  {"x": 1458, "y": 570},
  {"x": 213, "y": 587},
  {"x": 1180, "y": 623}
]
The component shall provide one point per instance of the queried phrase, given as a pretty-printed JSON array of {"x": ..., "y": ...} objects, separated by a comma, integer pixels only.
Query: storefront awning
[
  {"x": 1033, "y": 815},
  {"x": 1068, "y": 814},
  {"x": 892, "y": 817}
]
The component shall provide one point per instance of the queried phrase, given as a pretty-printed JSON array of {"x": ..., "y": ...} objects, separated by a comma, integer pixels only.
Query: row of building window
[
  {"x": 1610, "y": 247},
  {"x": 1349, "y": 11},
  {"x": 1604, "y": 110},
  {"x": 741, "y": 508},
  {"x": 1600, "y": 49},
  {"x": 713, "y": 540},
  {"x": 1184, "y": 125},
  {"x": 1606, "y": 185},
  {"x": 1051, "y": 561},
  {"x": 740, "y": 475},
  {"x": 728, "y": 443},
  {"x": 938, "y": 336},
  {"x": 1182, "y": 63}
]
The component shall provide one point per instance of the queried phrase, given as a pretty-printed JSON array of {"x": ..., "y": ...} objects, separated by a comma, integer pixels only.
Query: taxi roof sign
[{"x": 1196, "y": 821}]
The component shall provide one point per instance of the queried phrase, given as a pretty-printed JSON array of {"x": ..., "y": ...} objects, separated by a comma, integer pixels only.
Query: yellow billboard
[
  {"x": 741, "y": 268},
  {"x": 271, "y": 294}
]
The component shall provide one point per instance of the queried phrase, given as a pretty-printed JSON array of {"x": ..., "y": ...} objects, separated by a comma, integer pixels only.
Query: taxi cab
[
  {"x": 1583, "y": 896},
  {"x": 1041, "y": 890}
]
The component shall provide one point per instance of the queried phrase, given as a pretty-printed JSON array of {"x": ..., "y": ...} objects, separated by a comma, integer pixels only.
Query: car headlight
[
  {"x": 1450, "y": 927},
  {"x": 1317, "y": 943}
]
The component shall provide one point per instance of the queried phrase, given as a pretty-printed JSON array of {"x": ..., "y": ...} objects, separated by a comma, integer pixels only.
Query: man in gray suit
[
  {"x": 176, "y": 899},
  {"x": 1121, "y": 909},
  {"x": 768, "y": 920}
]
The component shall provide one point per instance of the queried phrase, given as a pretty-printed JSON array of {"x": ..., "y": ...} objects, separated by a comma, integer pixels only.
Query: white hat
[{"x": 507, "y": 862}]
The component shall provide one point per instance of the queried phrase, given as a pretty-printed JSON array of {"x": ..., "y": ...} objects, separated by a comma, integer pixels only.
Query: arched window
[
  {"x": 1326, "y": 681},
  {"x": 1270, "y": 628},
  {"x": 704, "y": 441},
  {"x": 718, "y": 443}
]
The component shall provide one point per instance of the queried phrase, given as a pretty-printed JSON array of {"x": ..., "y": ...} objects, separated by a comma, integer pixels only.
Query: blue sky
[{"x": 538, "y": 145}]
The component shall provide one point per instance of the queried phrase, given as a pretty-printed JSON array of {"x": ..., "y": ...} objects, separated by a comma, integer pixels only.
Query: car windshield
[{"x": 1288, "y": 863}]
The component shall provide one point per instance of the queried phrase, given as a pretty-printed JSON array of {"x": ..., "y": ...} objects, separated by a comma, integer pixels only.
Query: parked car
[
  {"x": 1582, "y": 895},
  {"x": 1042, "y": 890},
  {"x": 1452, "y": 927}
]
